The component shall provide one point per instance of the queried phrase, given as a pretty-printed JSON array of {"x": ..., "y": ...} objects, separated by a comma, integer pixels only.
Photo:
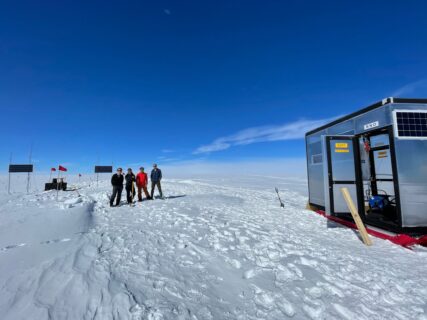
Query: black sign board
[
  {"x": 103, "y": 169},
  {"x": 20, "y": 168}
]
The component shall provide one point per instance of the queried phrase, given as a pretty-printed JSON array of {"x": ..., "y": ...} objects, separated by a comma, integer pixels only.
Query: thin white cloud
[
  {"x": 418, "y": 87},
  {"x": 290, "y": 167},
  {"x": 167, "y": 159},
  {"x": 134, "y": 164},
  {"x": 288, "y": 131}
]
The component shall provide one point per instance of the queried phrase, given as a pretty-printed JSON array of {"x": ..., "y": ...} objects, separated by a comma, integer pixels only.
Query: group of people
[{"x": 141, "y": 181}]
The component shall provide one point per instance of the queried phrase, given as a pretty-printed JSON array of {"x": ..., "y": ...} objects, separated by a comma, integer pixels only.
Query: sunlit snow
[{"x": 215, "y": 248}]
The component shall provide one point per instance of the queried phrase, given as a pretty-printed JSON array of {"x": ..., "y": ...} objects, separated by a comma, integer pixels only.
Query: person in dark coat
[
  {"x": 117, "y": 183},
  {"x": 156, "y": 177},
  {"x": 130, "y": 188}
]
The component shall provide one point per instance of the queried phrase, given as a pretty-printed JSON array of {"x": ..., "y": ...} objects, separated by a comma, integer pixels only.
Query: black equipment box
[{"x": 55, "y": 186}]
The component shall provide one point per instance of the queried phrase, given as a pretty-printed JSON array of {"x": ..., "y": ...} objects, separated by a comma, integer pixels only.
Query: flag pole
[
  {"x": 57, "y": 184},
  {"x": 50, "y": 176}
]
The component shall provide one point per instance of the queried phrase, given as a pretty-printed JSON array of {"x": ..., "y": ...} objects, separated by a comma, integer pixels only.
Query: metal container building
[{"x": 380, "y": 154}]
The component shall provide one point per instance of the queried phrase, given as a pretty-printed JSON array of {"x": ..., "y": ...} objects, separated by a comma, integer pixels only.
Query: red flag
[
  {"x": 53, "y": 169},
  {"x": 61, "y": 168}
]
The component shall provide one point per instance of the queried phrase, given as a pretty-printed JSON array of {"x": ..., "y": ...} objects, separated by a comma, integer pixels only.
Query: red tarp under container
[{"x": 400, "y": 239}]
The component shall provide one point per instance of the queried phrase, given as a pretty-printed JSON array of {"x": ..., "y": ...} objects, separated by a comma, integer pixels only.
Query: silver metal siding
[
  {"x": 315, "y": 171},
  {"x": 411, "y": 158}
]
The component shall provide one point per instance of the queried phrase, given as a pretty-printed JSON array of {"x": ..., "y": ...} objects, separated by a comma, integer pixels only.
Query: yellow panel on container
[
  {"x": 341, "y": 145},
  {"x": 342, "y": 150}
]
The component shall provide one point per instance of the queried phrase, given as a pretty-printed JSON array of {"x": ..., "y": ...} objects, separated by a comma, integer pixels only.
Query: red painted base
[{"x": 400, "y": 239}]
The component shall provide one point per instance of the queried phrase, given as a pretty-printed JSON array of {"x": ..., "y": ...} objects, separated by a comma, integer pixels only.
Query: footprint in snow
[
  {"x": 308, "y": 262},
  {"x": 249, "y": 274},
  {"x": 286, "y": 307},
  {"x": 283, "y": 274},
  {"x": 332, "y": 289},
  {"x": 313, "y": 312},
  {"x": 234, "y": 263},
  {"x": 345, "y": 313},
  {"x": 264, "y": 300},
  {"x": 315, "y": 292},
  {"x": 13, "y": 246},
  {"x": 55, "y": 241}
]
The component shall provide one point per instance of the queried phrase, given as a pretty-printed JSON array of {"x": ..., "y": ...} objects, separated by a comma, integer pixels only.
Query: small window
[
  {"x": 380, "y": 140},
  {"x": 411, "y": 124},
  {"x": 316, "y": 158}
]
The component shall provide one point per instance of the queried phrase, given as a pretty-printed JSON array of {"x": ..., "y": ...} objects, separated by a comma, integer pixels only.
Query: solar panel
[
  {"x": 411, "y": 124},
  {"x": 13, "y": 168},
  {"x": 103, "y": 169}
]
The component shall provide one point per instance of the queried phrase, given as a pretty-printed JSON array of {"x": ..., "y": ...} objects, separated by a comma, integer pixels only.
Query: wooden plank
[
  {"x": 356, "y": 217},
  {"x": 309, "y": 207}
]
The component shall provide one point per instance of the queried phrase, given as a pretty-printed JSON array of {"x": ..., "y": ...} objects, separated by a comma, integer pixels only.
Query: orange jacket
[{"x": 141, "y": 179}]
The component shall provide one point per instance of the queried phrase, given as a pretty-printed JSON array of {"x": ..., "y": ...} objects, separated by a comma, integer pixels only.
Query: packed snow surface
[{"x": 212, "y": 249}]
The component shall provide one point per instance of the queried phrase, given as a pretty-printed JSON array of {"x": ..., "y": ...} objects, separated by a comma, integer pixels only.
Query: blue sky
[{"x": 175, "y": 82}]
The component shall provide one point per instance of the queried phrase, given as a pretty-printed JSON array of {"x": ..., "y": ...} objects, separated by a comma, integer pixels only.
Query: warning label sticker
[
  {"x": 341, "y": 145},
  {"x": 382, "y": 154}
]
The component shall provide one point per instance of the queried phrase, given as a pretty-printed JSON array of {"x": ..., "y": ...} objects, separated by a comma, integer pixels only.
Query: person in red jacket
[{"x": 141, "y": 183}]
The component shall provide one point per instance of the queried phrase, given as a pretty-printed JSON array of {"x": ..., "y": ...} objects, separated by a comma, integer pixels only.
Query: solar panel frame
[{"x": 410, "y": 124}]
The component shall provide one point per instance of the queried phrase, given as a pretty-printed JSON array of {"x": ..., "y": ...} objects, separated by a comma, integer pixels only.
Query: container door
[{"x": 344, "y": 171}]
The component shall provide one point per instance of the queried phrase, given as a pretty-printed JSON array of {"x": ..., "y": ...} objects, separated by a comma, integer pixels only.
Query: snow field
[{"x": 219, "y": 249}]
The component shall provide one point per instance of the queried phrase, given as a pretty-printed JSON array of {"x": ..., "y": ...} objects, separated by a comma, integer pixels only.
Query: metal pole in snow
[
  {"x": 280, "y": 200},
  {"x": 28, "y": 177},
  {"x": 97, "y": 174},
  {"x": 8, "y": 184}
]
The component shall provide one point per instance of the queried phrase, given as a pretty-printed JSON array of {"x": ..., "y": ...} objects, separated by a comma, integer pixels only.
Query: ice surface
[{"x": 215, "y": 248}]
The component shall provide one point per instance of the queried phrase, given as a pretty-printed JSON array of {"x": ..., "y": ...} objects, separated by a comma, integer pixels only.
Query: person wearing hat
[
  {"x": 130, "y": 189},
  {"x": 141, "y": 183},
  {"x": 156, "y": 177},
  {"x": 117, "y": 183}
]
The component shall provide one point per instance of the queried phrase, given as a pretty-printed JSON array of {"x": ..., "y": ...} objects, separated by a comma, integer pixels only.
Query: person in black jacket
[
  {"x": 156, "y": 177},
  {"x": 117, "y": 183},
  {"x": 130, "y": 189}
]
